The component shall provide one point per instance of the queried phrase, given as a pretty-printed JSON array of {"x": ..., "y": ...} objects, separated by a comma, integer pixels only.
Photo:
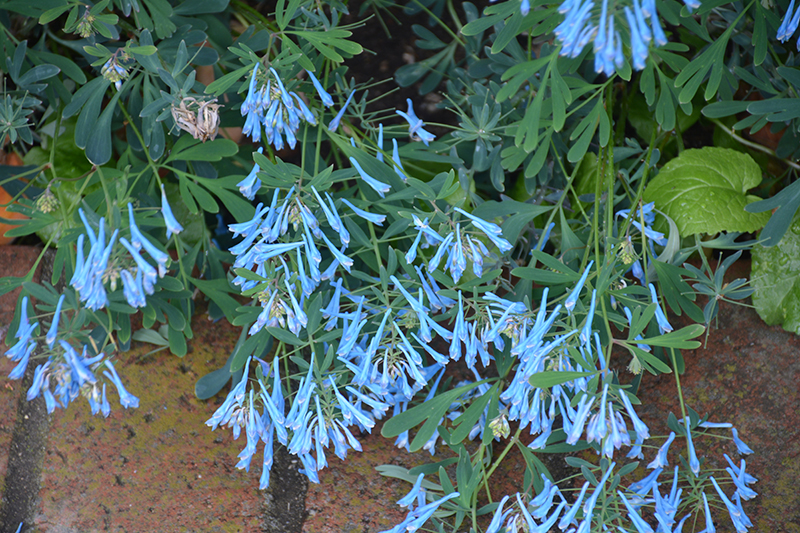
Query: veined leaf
[{"x": 704, "y": 191}]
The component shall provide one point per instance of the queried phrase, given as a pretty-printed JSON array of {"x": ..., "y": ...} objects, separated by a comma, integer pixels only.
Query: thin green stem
[
  {"x": 755, "y": 146},
  {"x": 505, "y": 451},
  {"x": 439, "y": 21}
]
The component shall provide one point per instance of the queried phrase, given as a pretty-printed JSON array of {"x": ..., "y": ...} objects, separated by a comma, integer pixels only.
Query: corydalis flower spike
[{"x": 172, "y": 223}]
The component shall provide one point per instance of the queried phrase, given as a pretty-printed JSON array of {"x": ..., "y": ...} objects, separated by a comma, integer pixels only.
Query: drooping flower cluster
[
  {"x": 276, "y": 109},
  {"x": 416, "y": 517},
  {"x": 578, "y": 29},
  {"x": 458, "y": 245},
  {"x": 66, "y": 374},
  {"x": 97, "y": 268}
]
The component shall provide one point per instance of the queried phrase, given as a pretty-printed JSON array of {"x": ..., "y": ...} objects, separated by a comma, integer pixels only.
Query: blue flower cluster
[
  {"x": 96, "y": 268},
  {"x": 457, "y": 246},
  {"x": 279, "y": 111},
  {"x": 551, "y": 508},
  {"x": 577, "y": 30},
  {"x": 66, "y": 374},
  {"x": 385, "y": 346},
  {"x": 416, "y": 517}
]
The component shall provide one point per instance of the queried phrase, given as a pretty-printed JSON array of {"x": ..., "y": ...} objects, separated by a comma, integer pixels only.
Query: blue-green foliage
[{"x": 467, "y": 284}]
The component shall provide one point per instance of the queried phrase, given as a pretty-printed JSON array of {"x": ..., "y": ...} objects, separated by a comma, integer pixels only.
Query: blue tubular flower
[
  {"x": 457, "y": 262},
  {"x": 708, "y": 424},
  {"x": 334, "y": 124},
  {"x": 308, "y": 116},
  {"x": 709, "y": 522},
  {"x": 251, "y": 101},
  {"x": 638, "y": 46},
  {"x": 53, "y": 331},
  {"x": 741, "y": 479},
  {"x": 569, "y": 516},
  {"x": 492, "y": 230},
  {"x": 661, "y": 459},
  {"x": 661, "y": 318},
  {"x": 250, "y": 185},
  {"x": 409, "y": 499},
  {"x": 344, "y": 235},
  {"x": 646, "y": 213},
  {"x": 573, "y": 27},
  {"x": 433, "y": 264},
  {"x": 789, "y": 24},
  {"x": 572, "y": 299},
  {"x": 378, "y": 186},
  {"x": 126, "y": 399},
  {"x": 583, "y": 411},
  {"x": 694, "y": 463},
  {"x": 172, "y": 223},
  {"x": 597, "y": 427},
  {"x": 640, "y": 525},
  {"x": 39, "y": 375},
  {"x": 323, "y": 94},
  {"x": 149, "y": 276},
  {"x": 105, "y": 407},
  {"x": 133, "y": 289},
  {"x": 499, "y": 516},
  {"x": 343, "y": 260},
  {"x": 375, "y": 219},
  {"x": 333, "y": 219},
  {"x": 379, "y": 155},
  {"x": 640, "y": 427},
  {"x": 586, "y": 331},
  {"x": 743, "y": 448},
  {"x": 602, "y": 61},
  {"x": 411, "y": 255},
  {"x": 138, "y": 241},
  {"x": 417, "y": 518},
  {"x": 19, "y": 370},
  {"x": 740, "y": 520},
  {"x": 644, "y": 30},
  {"x": 415, "y": 124},
  {"x": 649, "y": 9},
  {"x": 588, "y": 507},
  {"x": 691, "y": 4},
  {"x": 397, "y": 164}
]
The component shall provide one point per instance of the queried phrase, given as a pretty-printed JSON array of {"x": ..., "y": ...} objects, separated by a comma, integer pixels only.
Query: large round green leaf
[
  {"x": 704, "y": 191},
  {"x": 776, "y": 279}
]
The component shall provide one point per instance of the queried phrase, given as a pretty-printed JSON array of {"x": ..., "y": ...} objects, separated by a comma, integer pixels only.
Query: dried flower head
[{"x": 198, "y": 118}]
